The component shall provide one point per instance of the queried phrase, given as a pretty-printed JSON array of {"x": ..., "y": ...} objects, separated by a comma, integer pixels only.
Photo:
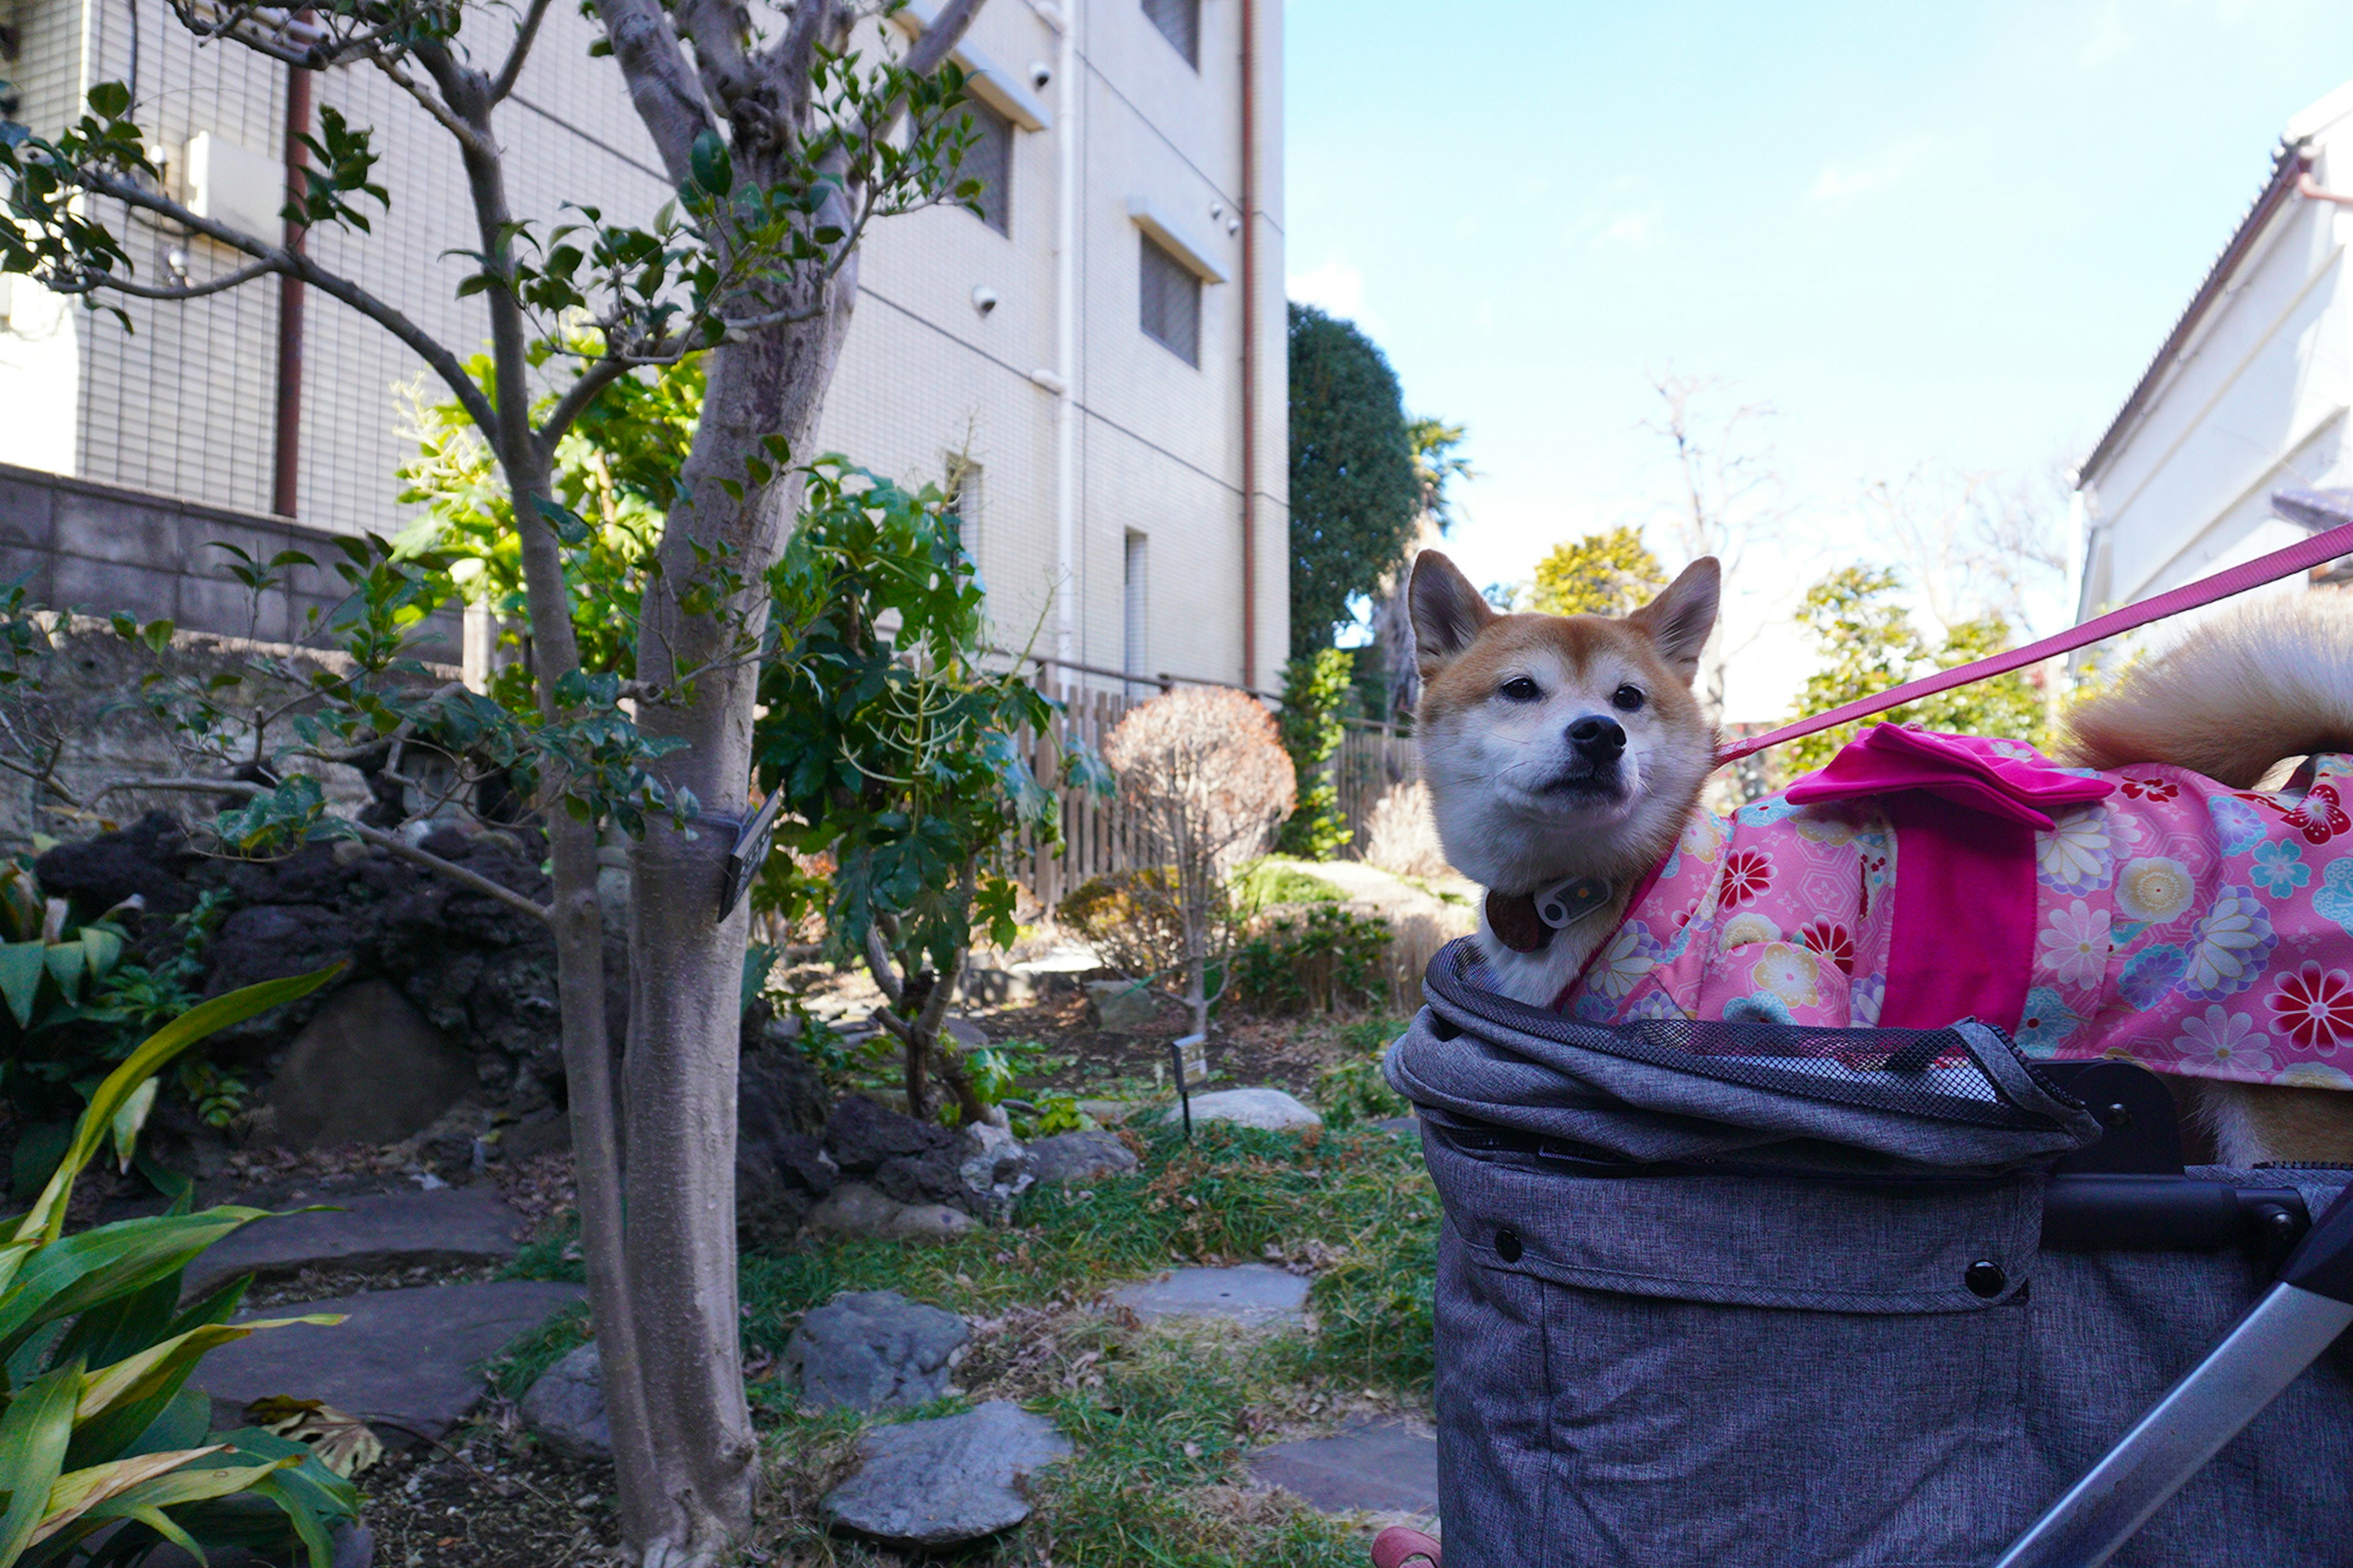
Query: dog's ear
[
  {"x": 1679, "y": 620},
  {"x": 1448, "y": 612}
]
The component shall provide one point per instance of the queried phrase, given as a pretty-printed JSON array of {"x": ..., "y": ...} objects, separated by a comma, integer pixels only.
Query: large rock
[
  {"x": 565, "y": 1408},
  {"x": 854, "y": 1209},
  {"x": 873, "y": 1348},
  {"x": 376, "y": 1231},
  {"x": 927, "y": 1486},
  {"x": 1125, "y": 1006},
  {"x": 149, "y": 861},
  {"x": 995, "y": 1170},
  {"x": 1068, "y": 1158},
  {"x": 367, "y": 1068},
  {"x": 782, "y": 1169},
  {"x": 907, "y": 1161},
  {"x": 402, "y": 1360},
  {"x": 1269, "y": 1110}
]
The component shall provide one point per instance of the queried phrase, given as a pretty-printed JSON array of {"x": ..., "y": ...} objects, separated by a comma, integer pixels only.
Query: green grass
[
  {"x": 1270, "y": 881},
  {"x": 1162, "y": 1420}
]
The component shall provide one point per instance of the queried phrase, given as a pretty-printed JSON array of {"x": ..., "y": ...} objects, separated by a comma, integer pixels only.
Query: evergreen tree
[{"x": 1355, "y": 495}]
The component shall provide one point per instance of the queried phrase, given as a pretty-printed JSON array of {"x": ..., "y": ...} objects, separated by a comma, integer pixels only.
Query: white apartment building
[
  {"x": 2248, "y": 394},
  {"x": 1091, "y": 343}
]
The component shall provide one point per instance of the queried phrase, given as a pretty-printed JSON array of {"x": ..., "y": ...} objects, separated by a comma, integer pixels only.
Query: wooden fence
[{"x": 1101, "y": 836}]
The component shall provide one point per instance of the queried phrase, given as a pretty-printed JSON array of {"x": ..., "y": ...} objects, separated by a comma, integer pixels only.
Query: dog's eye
[
  {"x": 1626, "y": 698},
  {"x": 1520, "y": 688}
]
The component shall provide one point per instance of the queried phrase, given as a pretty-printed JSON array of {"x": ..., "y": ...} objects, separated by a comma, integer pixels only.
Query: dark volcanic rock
[
  {"x": 862, "y": 1135},
  {"x": 150, "y": 860},
  {"x": 366, "y": 1068}
]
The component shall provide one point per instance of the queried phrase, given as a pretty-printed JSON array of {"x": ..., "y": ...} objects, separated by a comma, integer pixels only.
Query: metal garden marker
[
  {"x": 750, "y": 853},
  {"x": 1180, "y": 1057}
]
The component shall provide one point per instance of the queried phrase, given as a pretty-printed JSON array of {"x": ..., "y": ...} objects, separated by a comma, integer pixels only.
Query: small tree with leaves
[
  {"x": 783, "y": 137},
  {"x": 898, "y": 755},
  {"x": 1204, "y": 770},
  {"x": 1611, "y": 573},
  {"x": 1869, "y": 643}
]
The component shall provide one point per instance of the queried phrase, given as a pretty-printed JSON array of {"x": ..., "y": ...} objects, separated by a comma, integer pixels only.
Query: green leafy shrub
[
  {"x": 1328, "y": 959},
  {"x": 72, "y": 1004},
  {"x": 1270, "y": 882},
  {"x": 1317, "y": 693},
  {"x": 1352, "y": 1089},
  {"x": 97, "y": 1428}
]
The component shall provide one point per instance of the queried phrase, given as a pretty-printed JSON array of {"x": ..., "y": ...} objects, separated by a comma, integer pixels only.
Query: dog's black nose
[{"x": 1596, "y": 739}]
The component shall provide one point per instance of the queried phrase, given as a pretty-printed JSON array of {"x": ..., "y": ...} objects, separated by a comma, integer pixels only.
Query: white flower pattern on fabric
[
  {"x": 2228, "y": 946},
  {"x": 2076, "y": 856},
  {"x": 1747, "y": 926},
  {"x": 2154, "y": 889},
  {"x": 2223, "y": 1041},
  {"x": 1630, "y": 955},
  {"x": 2076, "y": 944}
]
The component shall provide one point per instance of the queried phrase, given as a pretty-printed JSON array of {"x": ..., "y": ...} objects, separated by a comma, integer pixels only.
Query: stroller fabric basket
[{"x": 1757, "y": 1294}]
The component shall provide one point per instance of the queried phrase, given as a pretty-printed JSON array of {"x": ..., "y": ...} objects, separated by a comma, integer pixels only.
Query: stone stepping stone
[
  {"x": 1403, "y": 1126},
  {"x": 1271, "y": 1109},
  {"x": 402, "y": 1360},
  {"x": 926, "y": 1486},
  {"x": 1378, "y": 1467},
  {"x": 455, "y": 1225},
  {"x": 870, "y": 1349},
  {"x": 1255, "y": 1295}
]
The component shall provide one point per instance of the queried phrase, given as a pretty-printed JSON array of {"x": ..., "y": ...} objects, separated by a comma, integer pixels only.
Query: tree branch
[
  {"x": 577, "y": 399},
  {"x": 946, "y": 31},
  {"x": 298, "y": 264},
  {"x": 668, "y": 96},
  {"x": 221, "y": 284},
  {"x": 433, "y": 104},
  {"x": 391, "y": 843},
  {"x": 525, "y": 34}
]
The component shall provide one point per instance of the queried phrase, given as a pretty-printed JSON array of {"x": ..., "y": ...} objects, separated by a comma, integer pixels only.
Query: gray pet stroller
[{"x": 1734, "y": 1294}]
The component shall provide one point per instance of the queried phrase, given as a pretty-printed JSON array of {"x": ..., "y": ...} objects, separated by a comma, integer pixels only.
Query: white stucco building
[
  {"x": 1132, "y": 240},
  {"x": 2250, "y": 392}
]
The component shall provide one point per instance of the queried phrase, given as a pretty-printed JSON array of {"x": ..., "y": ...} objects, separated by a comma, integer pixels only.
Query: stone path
[
  {"x": 402, "y": 1359},
  {"x": 1256, "y": 1294},
  {"x": 374, "y": 1231},
  {"x": 1381, "y": 1466}
]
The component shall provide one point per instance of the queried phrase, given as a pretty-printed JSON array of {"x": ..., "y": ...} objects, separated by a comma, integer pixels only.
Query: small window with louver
[
  {"x": 989, "y": 160},
  {"x": 1179, "y": 22},
  {"x": 1171, "y": 303}
]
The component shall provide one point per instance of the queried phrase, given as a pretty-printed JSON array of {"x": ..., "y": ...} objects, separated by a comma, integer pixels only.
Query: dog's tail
[{"x": 2268, "y": 680}]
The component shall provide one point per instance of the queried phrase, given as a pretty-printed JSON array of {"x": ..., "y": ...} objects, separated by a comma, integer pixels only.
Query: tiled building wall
[{"x": 185, "y": 405}]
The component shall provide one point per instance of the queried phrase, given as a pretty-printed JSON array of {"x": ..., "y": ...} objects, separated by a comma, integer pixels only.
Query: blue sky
[{"x": 1948, "y": 236}]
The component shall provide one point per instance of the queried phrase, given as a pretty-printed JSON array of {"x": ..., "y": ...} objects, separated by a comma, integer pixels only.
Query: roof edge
[{"x": 2288, "y": 163}]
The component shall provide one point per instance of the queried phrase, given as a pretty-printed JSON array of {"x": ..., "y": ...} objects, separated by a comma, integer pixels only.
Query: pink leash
[{"x": 2313, "y": 509}]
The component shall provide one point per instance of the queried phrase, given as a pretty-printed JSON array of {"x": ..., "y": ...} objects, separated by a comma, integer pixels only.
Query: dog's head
[{"x": 1560, "y": 746}]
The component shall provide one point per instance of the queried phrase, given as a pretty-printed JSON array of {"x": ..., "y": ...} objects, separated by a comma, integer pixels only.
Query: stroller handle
[{"x": 2285, "y": 1332}]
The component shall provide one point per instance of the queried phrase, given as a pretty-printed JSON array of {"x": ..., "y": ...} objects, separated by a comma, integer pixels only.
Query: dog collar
[{"x": 1524, "y": 921}]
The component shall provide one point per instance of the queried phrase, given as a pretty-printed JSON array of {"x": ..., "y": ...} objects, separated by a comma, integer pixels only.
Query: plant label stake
[
  {"x": 1182, "y": 1053},
  {"x": 750, "y": 853}
]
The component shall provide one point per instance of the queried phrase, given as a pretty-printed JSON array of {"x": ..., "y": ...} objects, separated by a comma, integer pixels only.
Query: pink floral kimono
[{"x": 2147, "y": 912}]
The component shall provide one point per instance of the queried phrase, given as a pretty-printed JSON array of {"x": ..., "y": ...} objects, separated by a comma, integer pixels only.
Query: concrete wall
[{"x": 101, "y": 550}]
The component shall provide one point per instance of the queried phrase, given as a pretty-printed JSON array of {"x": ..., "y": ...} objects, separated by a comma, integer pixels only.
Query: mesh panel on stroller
[{"x": 1741, "y": 1293}]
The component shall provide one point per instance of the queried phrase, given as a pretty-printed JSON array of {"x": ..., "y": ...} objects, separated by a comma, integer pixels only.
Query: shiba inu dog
[{"x": 2144, "y": 900}]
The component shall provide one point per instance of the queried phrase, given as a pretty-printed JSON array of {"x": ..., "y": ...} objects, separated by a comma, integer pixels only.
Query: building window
[
  {"x": 1179, "y": 22},
  {"x": 1171, "y": 303},
  {"x": 1136, "y": 599},
  {"x": 989, "y": 160}
]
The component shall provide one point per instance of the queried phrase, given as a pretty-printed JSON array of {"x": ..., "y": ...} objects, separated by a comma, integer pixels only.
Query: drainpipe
[
  {"x": 1249, "y": 342},
  {"x": 288, "y": 467},
  {"x": 1066, "y": 335}
]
